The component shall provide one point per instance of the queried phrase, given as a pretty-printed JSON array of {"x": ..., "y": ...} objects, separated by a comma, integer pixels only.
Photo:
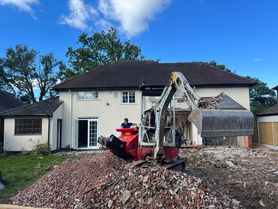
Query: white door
[{"x": 92, "y": 133}]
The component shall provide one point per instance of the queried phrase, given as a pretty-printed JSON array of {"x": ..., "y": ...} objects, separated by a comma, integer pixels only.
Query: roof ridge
[{"x": 180, "y": 62}]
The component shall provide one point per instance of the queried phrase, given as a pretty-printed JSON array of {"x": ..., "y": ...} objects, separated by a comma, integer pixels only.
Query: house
[
  {"x": 7, "y": 102},
  {"x": 267, "y": 123},
  {"x": 95, "y": 103}
]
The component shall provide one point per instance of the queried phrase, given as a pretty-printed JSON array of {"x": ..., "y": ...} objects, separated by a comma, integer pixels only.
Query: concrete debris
[
  {"x": 262, "y": 203},
  {"x": 126, "y": 196},
  {"x": 230, "y": 164},
  {"x": 106, "y": 181},
  {"x": 110, "y": 203},
  {"x": 38, "y": 166}
]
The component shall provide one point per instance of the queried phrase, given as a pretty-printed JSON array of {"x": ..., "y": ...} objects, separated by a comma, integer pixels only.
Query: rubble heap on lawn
[{"x": 106, "y": 181}]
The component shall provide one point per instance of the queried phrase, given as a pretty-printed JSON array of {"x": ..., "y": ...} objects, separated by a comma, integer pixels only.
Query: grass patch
[{"x": 18, "y": 172}]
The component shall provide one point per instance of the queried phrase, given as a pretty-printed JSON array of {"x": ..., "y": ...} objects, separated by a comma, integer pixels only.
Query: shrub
[
  {"x": 67, "y": 148},
  {"x": 41, "y": 149}
]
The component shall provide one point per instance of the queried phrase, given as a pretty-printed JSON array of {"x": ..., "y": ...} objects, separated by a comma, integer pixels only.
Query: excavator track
[{"x": 178, "y": 165}]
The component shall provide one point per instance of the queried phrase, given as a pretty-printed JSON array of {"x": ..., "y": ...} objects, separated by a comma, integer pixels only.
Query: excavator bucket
[{"x": 222, "y": 116}]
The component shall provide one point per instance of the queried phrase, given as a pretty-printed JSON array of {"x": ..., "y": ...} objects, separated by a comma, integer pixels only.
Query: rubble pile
[
  {"x": 155, "y": 188},
  {"x": 106, "y": 181}
]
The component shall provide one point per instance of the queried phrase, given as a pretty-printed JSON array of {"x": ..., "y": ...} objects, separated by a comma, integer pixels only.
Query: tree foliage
[
  {"x": 99, "y": 49},
  {"x": 23, "y": 72},
  {"x": 5, "y": 81},
  {"x": 221, "y": 66},
  {"x": 261, "y": 97}
]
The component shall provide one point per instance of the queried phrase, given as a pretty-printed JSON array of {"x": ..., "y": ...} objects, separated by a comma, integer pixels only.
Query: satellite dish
[{"x": 152, "y": 99}]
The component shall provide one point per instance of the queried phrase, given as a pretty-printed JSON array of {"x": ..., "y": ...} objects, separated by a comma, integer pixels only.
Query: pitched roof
[
  {"x": 132, "y": 74},
  {"x": 273, "y": 110},
  {"x": 38, "y": 109},
  {"x": 275, "y": 88},
  {"x": 7, "y": 101}
]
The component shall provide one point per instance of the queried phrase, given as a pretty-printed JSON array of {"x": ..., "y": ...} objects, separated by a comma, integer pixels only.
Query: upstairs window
[
  {"x": 28, "y": 126},
  {"x": 128, "y": 97},
  {"x": 87, "y": 95}
]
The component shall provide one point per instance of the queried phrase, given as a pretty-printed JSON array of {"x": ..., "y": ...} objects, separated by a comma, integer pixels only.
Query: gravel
[{"x": 106, "y": 181}]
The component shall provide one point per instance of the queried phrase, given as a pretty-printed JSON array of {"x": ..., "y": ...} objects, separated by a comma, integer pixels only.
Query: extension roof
[
  {"x": 7, "y": 101},
  {"x": 132, "y": 74},
  {"x": 44, "y": 108},
  {"x": 273, "y": 110}
]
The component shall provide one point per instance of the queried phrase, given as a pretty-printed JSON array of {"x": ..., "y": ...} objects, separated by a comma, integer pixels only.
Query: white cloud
[
  {"x": 80, "y": 13},
  {"x": 133, "y": 15},
  {"x": 23, "y": 5},
  {"x": 258, "y": 60}
]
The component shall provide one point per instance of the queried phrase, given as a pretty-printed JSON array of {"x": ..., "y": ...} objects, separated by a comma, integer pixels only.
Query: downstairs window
[{"x": 28, "y": 126}]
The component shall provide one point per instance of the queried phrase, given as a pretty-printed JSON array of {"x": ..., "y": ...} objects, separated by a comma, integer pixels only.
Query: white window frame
[
  {"x": 88, "y": 95},
  {"x": 129, "y": 97}
]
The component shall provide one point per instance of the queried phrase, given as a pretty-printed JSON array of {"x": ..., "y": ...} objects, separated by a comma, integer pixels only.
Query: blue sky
[{"x": 242, "y": 34}]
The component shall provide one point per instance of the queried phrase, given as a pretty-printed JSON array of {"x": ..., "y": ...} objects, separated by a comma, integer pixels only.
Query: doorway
[
  {"x": 59, "y": 133},
  {"x": 87, "y": 133}
]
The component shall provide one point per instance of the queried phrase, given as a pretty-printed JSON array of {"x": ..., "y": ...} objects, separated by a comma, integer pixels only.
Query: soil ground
[{"x": 249, "y": 176}]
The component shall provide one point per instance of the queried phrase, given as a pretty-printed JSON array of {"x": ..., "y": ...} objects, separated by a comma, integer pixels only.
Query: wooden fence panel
[
  {"x": 275, "y": 125},
  {"x": 266, "y": 136}
]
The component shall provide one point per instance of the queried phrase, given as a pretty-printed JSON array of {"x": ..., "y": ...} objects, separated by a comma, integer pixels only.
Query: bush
[
  {"x": 67, "y": 148},
  {"x": 41, "y": 149}
]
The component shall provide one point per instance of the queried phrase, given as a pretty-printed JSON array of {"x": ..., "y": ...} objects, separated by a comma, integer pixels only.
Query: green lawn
[{"x": 18, "y": 172}]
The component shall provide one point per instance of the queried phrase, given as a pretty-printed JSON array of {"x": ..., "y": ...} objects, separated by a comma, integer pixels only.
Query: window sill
[
  {"x": 28, "y": 134},
  {"x": 128, "y": 103},
  {"x": 88, "y": 99}
]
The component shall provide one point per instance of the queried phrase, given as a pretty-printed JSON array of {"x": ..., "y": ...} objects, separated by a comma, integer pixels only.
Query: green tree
[
  {"x": 5, "y": 81},
  {"x": 221, "y": 66},
  {"x": 20, "y": 66},
  {"x": 99, "y": 49},
  {"x": 261, "y": 97}
]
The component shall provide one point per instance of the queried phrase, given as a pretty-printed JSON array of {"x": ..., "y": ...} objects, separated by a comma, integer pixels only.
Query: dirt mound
[{"x": 106, "y": 181}]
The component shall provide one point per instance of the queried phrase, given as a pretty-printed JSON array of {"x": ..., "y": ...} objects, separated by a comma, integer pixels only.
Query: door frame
[
  {"x": 59, "y": 133},
  {"x": 88, "y": 119}
]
